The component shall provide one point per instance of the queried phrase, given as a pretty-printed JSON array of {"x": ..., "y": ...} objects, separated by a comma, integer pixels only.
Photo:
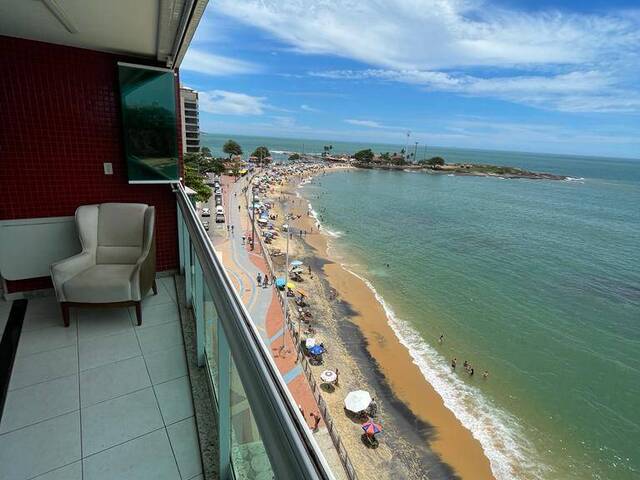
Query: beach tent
[
  {"x": 371, "y": 428},
  {"x": 280, "y": 282},
  {"x": 262, "y": 220},
  {"x": 296, "y": 263},
  {"x": 291, "y": 285},
  {"x": 357, "y": 401},
  {"x": 310, "y": 342}
]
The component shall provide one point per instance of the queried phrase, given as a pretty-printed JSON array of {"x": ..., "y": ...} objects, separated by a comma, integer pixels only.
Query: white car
[
  {"x": 219, "y": 210},
  {"x": 206, "y": 212}
]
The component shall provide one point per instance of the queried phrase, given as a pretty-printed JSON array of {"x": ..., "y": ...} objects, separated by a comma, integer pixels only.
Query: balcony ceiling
[{"x": 152, "y": 29}]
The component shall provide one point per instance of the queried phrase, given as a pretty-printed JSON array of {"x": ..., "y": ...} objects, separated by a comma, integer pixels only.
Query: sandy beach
[{"x": 422, "y": 439}]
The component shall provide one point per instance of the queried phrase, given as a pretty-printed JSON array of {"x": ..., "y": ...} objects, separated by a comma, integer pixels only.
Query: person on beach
[
  {"x": 316, "y": 420},
  {"x": 441, "y": 339},
  {"x": 485, "y": 375},
  {"x": 309, "y": 267},
  {"x": 372, "y": 410},
  {"x": 470, "y": 371},
  {"x": 454, "y": 361},
  {"x": 337, "y": 377}
]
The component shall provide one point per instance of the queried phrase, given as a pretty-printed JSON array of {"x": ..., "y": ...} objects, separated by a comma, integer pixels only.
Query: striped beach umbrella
[{"x": 371, "y": 428}]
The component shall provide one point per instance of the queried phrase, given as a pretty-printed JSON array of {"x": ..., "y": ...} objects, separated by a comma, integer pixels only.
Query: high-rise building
[{"x": 190, "y": 121}]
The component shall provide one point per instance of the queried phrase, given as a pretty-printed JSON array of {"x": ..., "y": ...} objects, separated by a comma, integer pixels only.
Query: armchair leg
[
  {"x": 139, "y": 312},
  {"x": 65, "y": 313},
  {"x": 154, "y": 287}
]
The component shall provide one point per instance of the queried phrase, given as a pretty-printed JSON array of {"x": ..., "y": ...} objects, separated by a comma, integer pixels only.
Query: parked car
[
  {"x": 219, "y": 217},
  {"x": 218, "y": 200},
  {"x": 219, "y": 210},
  {"x": 206, "y": 225},
  {"x": 206, "y": 212}
]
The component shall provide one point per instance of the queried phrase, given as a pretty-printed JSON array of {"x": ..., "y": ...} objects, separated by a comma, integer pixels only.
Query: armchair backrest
[{"x": 117, "y": 233}]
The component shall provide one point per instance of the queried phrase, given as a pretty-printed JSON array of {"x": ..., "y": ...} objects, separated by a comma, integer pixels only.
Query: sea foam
[{"x": 510, "y": 454}]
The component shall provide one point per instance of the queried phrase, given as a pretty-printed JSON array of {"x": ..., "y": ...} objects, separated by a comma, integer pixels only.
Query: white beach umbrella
[
  {"x": 357, "y": 401},
  {"x": 328, "y": 376},
  {"x": 310, "y": 342}
]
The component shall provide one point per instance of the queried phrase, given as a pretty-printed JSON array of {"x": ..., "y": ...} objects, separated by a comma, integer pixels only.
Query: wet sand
[{"x": 423, "y": 439}]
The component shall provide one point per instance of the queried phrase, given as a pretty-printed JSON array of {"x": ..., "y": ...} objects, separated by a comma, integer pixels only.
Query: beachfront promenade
[{"x": 243, "y": 266}]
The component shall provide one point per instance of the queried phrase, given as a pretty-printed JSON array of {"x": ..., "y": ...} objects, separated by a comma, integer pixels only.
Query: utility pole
[
  {"x": 253, "y": 221},
  {"x": 406, "y": 145},
  {"x": 415, "y": 152}
]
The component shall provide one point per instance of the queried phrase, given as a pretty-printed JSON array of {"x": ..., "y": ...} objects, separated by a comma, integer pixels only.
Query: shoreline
[{"x": 450, "y": 450}]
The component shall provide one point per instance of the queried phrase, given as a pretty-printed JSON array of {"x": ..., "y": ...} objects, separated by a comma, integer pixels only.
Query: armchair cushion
[{"x": 100, "y": 284}]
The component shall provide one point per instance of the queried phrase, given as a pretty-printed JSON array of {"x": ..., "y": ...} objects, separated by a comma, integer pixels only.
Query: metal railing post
[
  {"x": 224, "y": 406},
  {"x": 198, "y": 310}
]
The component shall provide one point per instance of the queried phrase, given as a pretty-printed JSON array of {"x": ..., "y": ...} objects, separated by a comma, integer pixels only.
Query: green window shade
[{"x": 148, "y": 100}]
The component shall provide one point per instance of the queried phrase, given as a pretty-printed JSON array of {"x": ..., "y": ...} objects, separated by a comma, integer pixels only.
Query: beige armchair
[{"x": 117, "y": 264}]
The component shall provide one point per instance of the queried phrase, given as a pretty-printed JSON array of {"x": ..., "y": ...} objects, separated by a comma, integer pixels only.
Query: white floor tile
[
  {"x": 43, "y": 306},
  {"x": 69, "y": 472},
  {"x": 109, "y": 423},
  {"x": 107, "y": 349},
  {"x": 183, "y": 436},
  {"x": 35, "y": 322},
  {"x": 163, "y": 297},
  {"x": 98, "y": 322},
  {"x": 41, "y": 367},
  {"x": 42, "y": 401},
  {"x": 159, "y": 314},
  {"x": 167, "y": 364},
  {"x": 159, "y": 337},
  {"x": 113, "y": 380},
  {"x": 169, "y": 285},
  {"x": 174, "y": 398},
  {"x": 145, "y": 458},
  {"x": 44, "y": 339},
  {"x": 40, "y": 448}
]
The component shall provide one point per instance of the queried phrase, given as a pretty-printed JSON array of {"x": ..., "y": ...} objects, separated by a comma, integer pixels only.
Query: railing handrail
[{"x": 292, "y": 450}]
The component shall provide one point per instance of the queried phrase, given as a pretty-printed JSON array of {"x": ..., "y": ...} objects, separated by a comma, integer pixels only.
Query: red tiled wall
[{"x": 59, "y": 121}]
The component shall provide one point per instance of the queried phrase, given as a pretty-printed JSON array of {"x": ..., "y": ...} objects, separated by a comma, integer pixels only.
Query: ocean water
[{"x": 537, "y": 282}]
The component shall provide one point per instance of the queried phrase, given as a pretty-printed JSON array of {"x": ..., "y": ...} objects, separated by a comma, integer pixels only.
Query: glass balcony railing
[{"x": 261, "y": 433}]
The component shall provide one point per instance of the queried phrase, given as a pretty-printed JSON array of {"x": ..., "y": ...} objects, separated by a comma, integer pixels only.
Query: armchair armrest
[
  {"x": 144, "y": 272},
  {"x": 68, "y": 268}
]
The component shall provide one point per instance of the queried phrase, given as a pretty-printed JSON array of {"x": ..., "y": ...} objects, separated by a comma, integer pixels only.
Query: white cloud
[
  {"x": 222, "y": 102},
  {"x": 307, "y": 108},
  {"x": 216, "y": 65},
  {"x": 364, "y": 123},
  {"x": 550, "y": 59}
]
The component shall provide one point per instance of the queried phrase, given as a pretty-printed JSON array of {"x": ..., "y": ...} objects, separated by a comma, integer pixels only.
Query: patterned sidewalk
[{"x": 243, "y": 266}]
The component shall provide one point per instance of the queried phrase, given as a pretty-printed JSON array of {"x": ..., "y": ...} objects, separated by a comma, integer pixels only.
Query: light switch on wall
[{"x": 108, "y": 168}]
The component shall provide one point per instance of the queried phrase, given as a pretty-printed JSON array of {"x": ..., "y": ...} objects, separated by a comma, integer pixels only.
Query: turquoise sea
[{"x": 537, "y": 282}]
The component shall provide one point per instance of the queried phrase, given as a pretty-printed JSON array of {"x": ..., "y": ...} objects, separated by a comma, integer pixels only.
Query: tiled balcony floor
[{"x": 102, "y": 399}]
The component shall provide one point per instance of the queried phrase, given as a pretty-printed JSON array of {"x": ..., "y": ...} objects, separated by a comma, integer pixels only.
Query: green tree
[
  {"x": 294, "y": 156},
  {"x": 216, "y": 165},
  {"x": 262, "y": 153},
  {"x": 196, "y": 161},
  {"x": 236, "y": 166},
  {"x": 386, "y": 157},
  {"x": 435, "y": 161},
  {"x": 195, "y": 181},
  {"x": 206, "y": 151},
  {"x": 231, "y": 147},
  {"x": 364, "y": 156}
]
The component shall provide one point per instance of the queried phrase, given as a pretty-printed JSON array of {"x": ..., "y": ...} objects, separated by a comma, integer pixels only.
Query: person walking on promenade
[
  {"x": 265, "y": 282},
  {"x": 316, "y": 420},
  {"x": 259, "y": 278},
  {"x": 243, "y": 239}
]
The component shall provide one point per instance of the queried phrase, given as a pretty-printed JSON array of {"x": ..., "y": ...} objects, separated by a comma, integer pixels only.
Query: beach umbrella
[
  {"x": 280, "y": 282},
  {"x": 371, "y": 428},
  {"x": 291, "y": 285},
  {"x": 316, "y": 350},
  {"x": 296, "y": 263},
  {"x": 310, "y": 342},
  {"x": 357, "y": 401},
  {"x": 328, "y": 376},
  {"x": 302, "y": 292}
]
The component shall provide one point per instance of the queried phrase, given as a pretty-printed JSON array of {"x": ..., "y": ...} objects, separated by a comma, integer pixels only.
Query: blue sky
[{"x": 542, "y": 76}]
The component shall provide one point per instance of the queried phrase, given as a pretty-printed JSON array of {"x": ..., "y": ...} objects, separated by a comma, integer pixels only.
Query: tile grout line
[
  {"x": 79, "y": 394},
  {"x": 166, "y": 432}
]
